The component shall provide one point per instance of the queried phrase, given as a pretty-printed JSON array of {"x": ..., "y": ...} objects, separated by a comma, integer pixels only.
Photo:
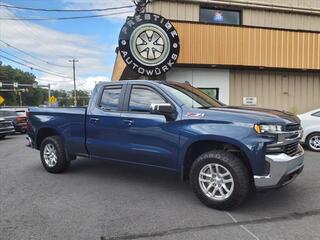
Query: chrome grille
[
  {"x": 291, "y": 149},
  {"x": 287, "y": 141},
  {"x": 292, "y": 127}
]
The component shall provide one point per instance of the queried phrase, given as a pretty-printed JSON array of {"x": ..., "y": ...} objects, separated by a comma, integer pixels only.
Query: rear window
[
  {"x": 7, "y": 113},
  {"x": 110, "y": 98},
  {"x": 21, "y": 113}
]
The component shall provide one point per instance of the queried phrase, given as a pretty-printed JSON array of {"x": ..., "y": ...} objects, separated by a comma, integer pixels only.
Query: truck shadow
[
  {"x": 258, "y": 205},
  {"x": 132, "y": 176}
]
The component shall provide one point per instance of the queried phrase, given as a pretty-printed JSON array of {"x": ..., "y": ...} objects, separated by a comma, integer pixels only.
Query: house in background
[{"x": 263, "y": 53}]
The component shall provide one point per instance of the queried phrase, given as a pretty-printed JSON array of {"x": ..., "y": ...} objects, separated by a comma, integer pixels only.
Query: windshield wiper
[{"x": 203, "y": 107}]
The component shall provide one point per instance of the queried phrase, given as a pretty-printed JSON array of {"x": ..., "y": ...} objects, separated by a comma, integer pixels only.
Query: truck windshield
[{"x": 190, "y": 96}]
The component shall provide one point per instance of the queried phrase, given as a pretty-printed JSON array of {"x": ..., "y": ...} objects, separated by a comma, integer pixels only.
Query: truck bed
[{"x": 69, "y": 122}]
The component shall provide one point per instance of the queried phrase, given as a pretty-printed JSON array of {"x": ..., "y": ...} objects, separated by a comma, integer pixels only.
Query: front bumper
[{"x": 283, "y": 170}]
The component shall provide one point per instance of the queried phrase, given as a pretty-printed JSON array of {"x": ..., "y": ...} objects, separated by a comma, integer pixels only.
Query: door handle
[
  {"x": 128, "y": 121},
  {"x": 94, "y": 120}
]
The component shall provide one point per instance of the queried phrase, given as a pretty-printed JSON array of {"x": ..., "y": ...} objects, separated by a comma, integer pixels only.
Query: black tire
[
  {"x": 2, "y": 137},
  {"x": 308, "y": 141},
  {"x": 62, "y": 162},
  {"x": 238, "y": 171}
]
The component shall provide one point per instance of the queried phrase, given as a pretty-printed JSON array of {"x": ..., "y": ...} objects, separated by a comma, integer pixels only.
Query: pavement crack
[
  {"x": 286, "y": 217},
  {"x": 243, "y": 227}
]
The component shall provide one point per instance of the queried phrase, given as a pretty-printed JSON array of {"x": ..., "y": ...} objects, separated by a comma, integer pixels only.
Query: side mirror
[{"x": 164, "y": 109}]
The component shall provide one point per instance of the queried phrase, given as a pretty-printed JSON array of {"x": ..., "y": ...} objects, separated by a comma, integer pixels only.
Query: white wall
[{"x": 204, "y": 78}]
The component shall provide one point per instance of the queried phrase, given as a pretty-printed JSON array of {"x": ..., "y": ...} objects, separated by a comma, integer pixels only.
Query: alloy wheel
[
  {"x": 314, "y": 142},
  {"x": 50, "y": 155},
  {"x": 216, "y": 181}
]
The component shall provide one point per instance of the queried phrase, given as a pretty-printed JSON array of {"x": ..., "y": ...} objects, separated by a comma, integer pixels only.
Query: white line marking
[{"x": 243, "y": 227}]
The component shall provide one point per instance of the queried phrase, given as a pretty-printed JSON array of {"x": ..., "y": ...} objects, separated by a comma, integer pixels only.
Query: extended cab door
[
  {"x": 104, "y": 122},
  {"x": 150, "y": 139}
]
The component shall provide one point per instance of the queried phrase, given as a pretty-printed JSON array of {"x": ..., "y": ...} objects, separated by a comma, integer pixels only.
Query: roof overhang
[
  {"x": 243, "y": 47},
  {"x": 294, "y": 7}
]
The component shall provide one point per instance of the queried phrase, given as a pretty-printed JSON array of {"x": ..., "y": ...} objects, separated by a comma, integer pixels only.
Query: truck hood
[{"x": 249, "y": 115}]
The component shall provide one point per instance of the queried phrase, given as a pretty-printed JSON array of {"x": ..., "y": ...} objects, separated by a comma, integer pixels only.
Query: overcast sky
[{"x": 91, "y": 41}]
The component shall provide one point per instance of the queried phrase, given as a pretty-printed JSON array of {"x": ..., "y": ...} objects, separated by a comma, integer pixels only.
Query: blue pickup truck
[{"x": 224, "y": 152}]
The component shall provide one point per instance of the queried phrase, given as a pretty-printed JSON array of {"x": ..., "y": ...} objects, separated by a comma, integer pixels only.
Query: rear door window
[
  {"x": 111, "y": 98},
  {"x": 7, "y": 114}
]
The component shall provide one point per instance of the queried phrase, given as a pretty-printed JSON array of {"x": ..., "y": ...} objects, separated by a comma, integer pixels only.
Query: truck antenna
[{"x": 192, "y": 88}]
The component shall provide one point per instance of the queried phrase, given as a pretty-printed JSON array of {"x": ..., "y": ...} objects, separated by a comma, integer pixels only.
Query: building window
[
  {"x": 220, "y": 16},
  {"x": 212, "y": 92}
]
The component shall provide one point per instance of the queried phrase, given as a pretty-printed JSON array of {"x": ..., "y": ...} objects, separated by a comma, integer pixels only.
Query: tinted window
[
  {"x": 142, "y": 98},
  {"x": 317, "y": 114},
  {"x": 7, "y": 114},
  {"x": 21, "y": 113},
  {"x": 110, "y": 98},
  {"x": 219, "y": 16}
]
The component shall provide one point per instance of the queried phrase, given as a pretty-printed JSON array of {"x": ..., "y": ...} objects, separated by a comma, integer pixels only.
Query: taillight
[{"x": 28, "y": 120}]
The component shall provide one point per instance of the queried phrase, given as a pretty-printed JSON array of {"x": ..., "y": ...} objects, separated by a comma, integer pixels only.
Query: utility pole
[
  {"x": 74, "y": 81},
  {"x": 49, "y": 94},
  {"x": 20, "y": 98},
  {"x": 141, "y": 5}
]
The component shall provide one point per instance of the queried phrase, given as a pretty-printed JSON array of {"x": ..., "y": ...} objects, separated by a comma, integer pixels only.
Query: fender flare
[{"x": 214, "y": 138}]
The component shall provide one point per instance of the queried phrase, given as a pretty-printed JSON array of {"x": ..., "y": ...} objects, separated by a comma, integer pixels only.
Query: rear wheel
[
  {"x": 313, "y": 142},
  {"x": 220, "y": 179},
  {"x": 53, "y": 156}
]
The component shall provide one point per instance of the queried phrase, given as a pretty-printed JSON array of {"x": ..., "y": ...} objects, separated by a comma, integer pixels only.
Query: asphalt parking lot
[{"x": 100, "y": 200}]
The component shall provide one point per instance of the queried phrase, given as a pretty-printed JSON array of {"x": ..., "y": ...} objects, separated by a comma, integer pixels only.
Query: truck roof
[{"x": 133, "y": 81}]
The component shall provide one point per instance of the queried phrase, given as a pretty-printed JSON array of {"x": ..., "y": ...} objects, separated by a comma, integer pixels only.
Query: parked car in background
[
  {"x": 6, "y": 128},
  {"x": 18, "y": 119},
  {"x": 311, "y": 126}
]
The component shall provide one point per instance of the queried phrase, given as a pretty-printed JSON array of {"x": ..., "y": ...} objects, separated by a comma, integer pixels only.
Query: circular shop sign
[{"x": 149, "y": 44}]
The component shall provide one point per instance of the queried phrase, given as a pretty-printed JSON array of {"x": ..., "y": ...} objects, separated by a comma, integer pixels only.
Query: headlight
[{"x": 263, "y": 128}]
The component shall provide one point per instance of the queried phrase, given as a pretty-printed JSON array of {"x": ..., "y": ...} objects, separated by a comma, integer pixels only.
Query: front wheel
[
  {"x": 53, "y": 156},
  {"x": 313, "y": 142},
  {"x": 220, "y": 179}
]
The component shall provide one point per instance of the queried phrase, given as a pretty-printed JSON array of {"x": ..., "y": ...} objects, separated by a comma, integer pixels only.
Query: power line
[
  {"x": 30, "y": 55},
  {"x": 40, "y": 70},
  {"x": 12, "y": 55},
  {"x": 67, "y": 10},
  {"x": 30, "y": 32},
  {"x": 64, "y": 18}
]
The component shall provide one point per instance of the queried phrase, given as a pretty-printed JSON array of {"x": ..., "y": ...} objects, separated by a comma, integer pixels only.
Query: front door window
[{"x": 142, "y": 98}]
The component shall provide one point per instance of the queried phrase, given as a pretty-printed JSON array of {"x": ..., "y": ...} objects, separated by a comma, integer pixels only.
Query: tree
[
  {"x": 65, "y": 98},
  {"x": 33, "y": 97}
]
